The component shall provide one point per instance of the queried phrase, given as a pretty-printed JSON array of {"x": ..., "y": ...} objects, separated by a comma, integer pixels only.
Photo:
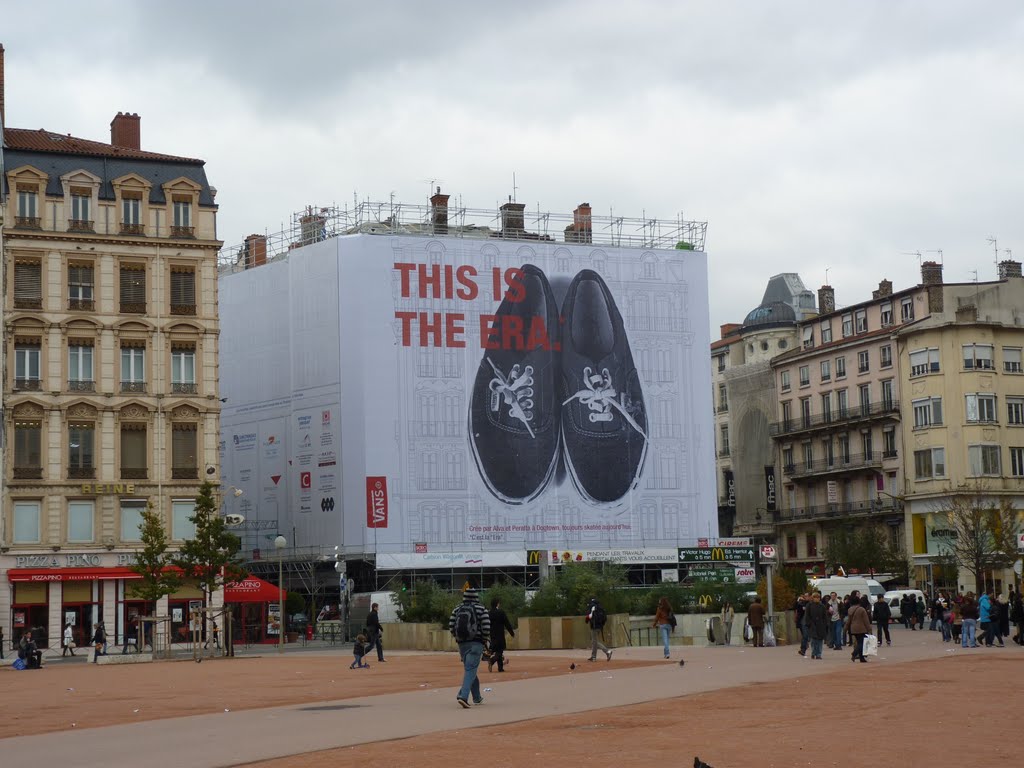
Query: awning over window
[{"x": 252, "y": 590}]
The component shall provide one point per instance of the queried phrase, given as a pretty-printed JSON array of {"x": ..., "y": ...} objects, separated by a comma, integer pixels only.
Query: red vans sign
[{"x": 376, "y": 502}]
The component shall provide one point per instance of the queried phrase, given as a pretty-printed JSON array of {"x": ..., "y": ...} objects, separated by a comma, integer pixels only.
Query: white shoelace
[
  {"x": 516, "y": 390},
  {"x": 599, "y": 396}
]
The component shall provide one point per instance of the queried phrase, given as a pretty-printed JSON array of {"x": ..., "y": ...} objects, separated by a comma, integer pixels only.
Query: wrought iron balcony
[
  {"x": 133, "y": 229},
  {"x": 80, "y": 225},
  {"x": 133, "y": 386},
  {"x": 28, "y": 473},
  {"x": 183, "y": 309},
  {"x": 82, "y": 305},
  {"x": 28, "y": 385},
  {"x": 81, "y": 385},
  {"x": 28, "y": 222},
  {"x": 184, "y": 389},
  {"x": 22, "y": 302},
  {"x": 177, "y": 231},
  {"x": 835, "y": 465},
  {"x": 134, "y": 473},
  {"x": 723, "y": 453},
  {"x": 833, "y": 511},
  {"x": 723, "y": 408},
  {"x": 184, "y": 473},
  {"x": 133, "y": 307},
  {"x": 887, "y": 409},
  {"x": 81, "y": 473}
]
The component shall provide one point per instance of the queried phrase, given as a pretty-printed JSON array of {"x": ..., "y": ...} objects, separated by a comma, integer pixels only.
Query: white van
[
  {"x": 893, "y": 597},
  {"x": 843, "y": 586}
]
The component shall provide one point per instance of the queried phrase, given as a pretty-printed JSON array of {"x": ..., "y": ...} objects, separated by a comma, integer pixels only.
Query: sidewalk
[{"x": 249, "y": 736}]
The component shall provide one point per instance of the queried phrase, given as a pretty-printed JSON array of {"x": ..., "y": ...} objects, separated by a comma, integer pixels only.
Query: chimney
[
  {"x": 931, "y": 278},
  {"x": 884, "y": 289},
  {"x": 126, "y": 131},
  {"x": 581, "y": 230},
  {"x": 1007, "y": 268},
  {"x": 255, "y": 251},
  {"x": 728, "y": 329},
  {"x": 513, "y": 219},
  {"x": 3, "y": 114},
  {"x": 439, "y": 212},
  {"x": 826, "y": 300}
]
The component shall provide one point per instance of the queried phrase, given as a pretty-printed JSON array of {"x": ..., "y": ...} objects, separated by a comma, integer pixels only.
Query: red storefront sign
[
  {"x": 252, "y": 590},
  {"x": 376, "y": 502},
  {"x": 70, "y": 574}
]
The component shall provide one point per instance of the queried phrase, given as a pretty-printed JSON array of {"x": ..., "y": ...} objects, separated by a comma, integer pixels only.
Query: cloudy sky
[{"x": 811, "y": 136}]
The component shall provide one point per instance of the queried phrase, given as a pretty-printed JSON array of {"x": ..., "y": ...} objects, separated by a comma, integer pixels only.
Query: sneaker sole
[{"x": 463, "y": 703}]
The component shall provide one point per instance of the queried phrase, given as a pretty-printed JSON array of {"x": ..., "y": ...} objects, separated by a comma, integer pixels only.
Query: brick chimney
[
  {"x": 255, "y": 251},
  {"x": 513, "y": 219},
  {"x": 582, "y": 228},
  {"x": 439, "y": 212},
  {"x": 1007, "y": 268},
  {"x": 826, "y": 300},
  {"x": 3, "y": 114},
  {"x": 126, "y": 130},
  {"x": 931, "y": 278},
  {"x": 728, "y": 329},
  {"x": 884, "y": 289}
]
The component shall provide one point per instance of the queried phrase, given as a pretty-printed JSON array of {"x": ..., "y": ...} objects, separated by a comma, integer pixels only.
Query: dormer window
[
  {"x": 28, "y": 207},
  {"x": 131, "y": 213},
  {"x": 80, "y": 219},
  {"x": 182, "y": 226}
]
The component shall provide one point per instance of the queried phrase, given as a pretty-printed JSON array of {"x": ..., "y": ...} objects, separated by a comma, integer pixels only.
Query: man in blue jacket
[{"x": 988, "y": 620}]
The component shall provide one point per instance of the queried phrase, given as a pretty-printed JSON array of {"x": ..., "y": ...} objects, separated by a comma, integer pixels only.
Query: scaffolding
[{"x": 510, "y": 221}]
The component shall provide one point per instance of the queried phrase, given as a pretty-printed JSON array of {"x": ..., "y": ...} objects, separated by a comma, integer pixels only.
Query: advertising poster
[
  {"x": 477, "y": 394},
  {"x": 273, "y": 618}
]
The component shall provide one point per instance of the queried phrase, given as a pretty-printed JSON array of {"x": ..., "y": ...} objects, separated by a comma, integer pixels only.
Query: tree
[
  {"x": 864, "y": 549},
  {"x": 210, "y": 557},
  {"x": 153, "y": 562},
  {"x": 982, "y": 532}
]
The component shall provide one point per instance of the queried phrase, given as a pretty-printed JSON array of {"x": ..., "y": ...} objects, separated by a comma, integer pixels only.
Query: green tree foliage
[
  {"x": 567, "y": 592},
  {"x": 512, "y": 597},
  {"x": 153, "y": 562},
  {"x": 427, "y": 602},
  {"x": 984, "y": 532},
  {"x": 864, "y": 549},
  {"x": 211, "y": 557}
]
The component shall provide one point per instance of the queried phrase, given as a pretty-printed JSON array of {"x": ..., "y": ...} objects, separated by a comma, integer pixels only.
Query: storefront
[{"x": 256, "y": 607}]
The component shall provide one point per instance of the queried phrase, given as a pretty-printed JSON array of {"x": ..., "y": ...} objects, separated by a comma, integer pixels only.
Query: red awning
[
  {"x": 252, "y": 590},
  {"x": 70, "y": 574}
]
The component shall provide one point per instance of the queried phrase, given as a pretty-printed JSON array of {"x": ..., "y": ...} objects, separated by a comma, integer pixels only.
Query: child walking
[{"x": 358, "y": 651}]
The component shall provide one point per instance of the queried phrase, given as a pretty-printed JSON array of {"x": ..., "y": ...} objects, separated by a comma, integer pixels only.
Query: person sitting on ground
[
  {"x": 29, "y": 652},
  {"x": 359, "y": 649},
  {"x": 99, "y": 640}
]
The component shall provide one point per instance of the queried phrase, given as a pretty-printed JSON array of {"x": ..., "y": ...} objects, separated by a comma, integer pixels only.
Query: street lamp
[{"x": 279, "y": 544}]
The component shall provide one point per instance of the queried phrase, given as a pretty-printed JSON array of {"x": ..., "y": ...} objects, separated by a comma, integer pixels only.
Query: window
[
  {"x": 80, "y": 375},
  {"x": 826, "y": 370},
  {"x": 80, "y": 287},
  {"x": 787, "y": 415},
  {"x": 1012, "y": 360},
  {"x": 847, "y": 325},
  {"x": 864, "y": 390},
  {"x": 27, "y": 449},
  {"x": 723, "y": 398},
  {"x": 80, "y": 202},
  {"x": 927, "y": 412},
  {"x": 863, "y": 361},
  {"x": 131, "y": 520},
  {"x": 1017, "y": 462},
  {"x": 28, "y": 285},
  {"x": 840, "y": 367},
  {"x": 812, "y": 545},
  {"x": 133, "y": 289},
  {"x": 26, "y": 522},
  {"x": 808, "y": 455},
  {"x": 826, "y": 407},
  {"x": 907, "y": 310},
  {"x": 861, "y": 317},
  {"x": 842, "y": 403},
  {"x": 721, "y": 362},
  {"x": 181, "y": 526},
  {"x": 981, "y": 408},
  {"x": 889, "y": 443},
  {"x": 784, "y": 381},
  {"x": 787, "y": 458},
  {"x": 844, "y": 448},
  {"x": 979, "y": 356},
  {"x": 886, "y": 314},
  {"x": 28, "y": 204},
  {"x": 791, "y": 546},
  {"x": 924, "y": 361},
  {"x": 826, "y": 331},
  {"x": 184, "y": 464},
  {"x": 133, "y": 368},
  {"x": 183, "y": 370},
  {"x": 133, "y": 452},
  {"x": 131, "y": 213},
  {"x": 805, "y": 411},
  {"x": 183, "y": 292},
  {"x": 724, "y": 444},
  {"x": 80, "y": 521},
  {"x": 805, "y": 375},
  {"x": 80, "y": 450},
  {"x": 26, "y": 366},
  {"x": 1015, "y": 410},
  {"x": 808, "y": 336},
  {"x": 827, "y": 452},
  {"x": 983, "y": 460},
  {"x": 885, "y": 356},
  {"x": 182, "y": 213},
  {"x": 867, "y": 444},
  {"x": 887, "y": 398},
  {"x": 929, "y": 463}
]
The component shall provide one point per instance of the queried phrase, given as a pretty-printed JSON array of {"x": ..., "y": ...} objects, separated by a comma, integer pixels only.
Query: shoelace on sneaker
[
  {"x": 516, "y": 390},
  {"x": 599, "y": 396}
]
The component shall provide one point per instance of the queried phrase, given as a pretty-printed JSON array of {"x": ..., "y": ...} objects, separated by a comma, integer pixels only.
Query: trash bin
[{"x": 716, "y": 633}]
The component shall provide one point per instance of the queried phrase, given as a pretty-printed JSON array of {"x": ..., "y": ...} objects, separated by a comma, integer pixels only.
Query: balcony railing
[
  {"x": 835, "y": 465},
  {"x": 81, "y": 385},
  {"x": 177, "y": 231},
  {"x": 28, "y": 222},
  {"x": 82, "y": 305},
  {"x": 184, "y": 389},
  {"x": 132, "y": 229},
  {"x": 28, "y": 385},
  {"x": 133, "y": 386},
  {"x": 134, "y": 473},
  {"x": 183, "y": 309},
  {"x": 133, "y": 307},
  {"x": 836, "y": 417},
  {"x": 723, "y": 408},
  {"x": 81, "y": 473},
  {"x": 723, "y": 453},
  {"x": 184, "y": 473},
  {"x": 23, "y": 302},
  {"x": 830, "y": 511},
  {"x": 28, "y": 473},
  {"x": 80, "y": 225}
]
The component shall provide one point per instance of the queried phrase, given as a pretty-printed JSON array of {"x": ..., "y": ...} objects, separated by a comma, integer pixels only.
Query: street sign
[
  {"x": 767, "y": 552},
  {"x": 715, "y": 574},
  {"x": 716, "y": 554},
  {"x": 746, "y": 576}
]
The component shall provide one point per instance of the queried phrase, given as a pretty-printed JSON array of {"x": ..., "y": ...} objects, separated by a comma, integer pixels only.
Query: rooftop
[{"x": 42, "y": 140}]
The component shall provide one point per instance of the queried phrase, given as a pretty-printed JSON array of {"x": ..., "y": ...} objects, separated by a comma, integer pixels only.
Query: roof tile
[{"x": 47, "y": 141}]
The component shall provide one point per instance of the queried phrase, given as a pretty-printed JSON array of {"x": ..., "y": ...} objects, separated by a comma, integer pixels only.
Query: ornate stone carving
[
  {"x": 184, "y": 413},
  {"x": 134, "y": 412},
  {"x": 81, "y": 411},
  {"x": 28, "y": 411}
]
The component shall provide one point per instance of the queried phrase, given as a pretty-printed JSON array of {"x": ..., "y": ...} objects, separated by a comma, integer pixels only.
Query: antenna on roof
[
  {"x": 826, "y": 275},
  {"x": 514, "y": 187},
  {"x": 995, "y": 247},
  {"x": 938, "y": 251},
  {"x": 912, "y": 253}
]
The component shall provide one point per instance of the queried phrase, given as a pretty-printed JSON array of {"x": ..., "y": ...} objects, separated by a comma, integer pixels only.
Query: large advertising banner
[{"x": 491, "y": 395}]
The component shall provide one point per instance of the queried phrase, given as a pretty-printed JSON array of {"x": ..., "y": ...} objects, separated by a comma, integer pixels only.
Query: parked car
[{"x": 893, "y": 597}]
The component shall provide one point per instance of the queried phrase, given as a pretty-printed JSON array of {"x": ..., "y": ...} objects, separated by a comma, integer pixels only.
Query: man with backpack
[
  {"x": 596, "y": 618},
  {"x": 470, "y": 624}
]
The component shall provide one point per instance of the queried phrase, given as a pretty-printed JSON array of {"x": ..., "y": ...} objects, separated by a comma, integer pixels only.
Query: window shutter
[
  {"x": 133, "y": 285},
  {"x": 183, "y": 446},
  {"x": 133, "y": 447},
  {"x": 183, "y": 287},
  {"x": 28, "y": 281}
]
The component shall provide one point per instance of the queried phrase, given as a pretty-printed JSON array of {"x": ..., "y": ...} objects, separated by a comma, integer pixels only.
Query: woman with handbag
[
  {"x": 69, "y": 641},
  {"x": 728, "y": 616},
  {"x": 859, "y": 622}
]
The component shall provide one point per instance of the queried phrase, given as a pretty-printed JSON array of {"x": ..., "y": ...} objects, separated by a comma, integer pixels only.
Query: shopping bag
[
  {"x": 870, "y": 645},
  {"x": 18, "y": 664},
  {"x": 748, "y": 631},
  {"x": 769, "y": 635}
]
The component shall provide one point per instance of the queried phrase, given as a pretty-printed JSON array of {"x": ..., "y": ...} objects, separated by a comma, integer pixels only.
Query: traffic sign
[
  {"x": 716, "y": 554},
  {"x": 767, "y": 552}
]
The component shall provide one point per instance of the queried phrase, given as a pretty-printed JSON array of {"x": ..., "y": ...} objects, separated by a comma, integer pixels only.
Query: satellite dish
[{"x": 234, "y": 519}]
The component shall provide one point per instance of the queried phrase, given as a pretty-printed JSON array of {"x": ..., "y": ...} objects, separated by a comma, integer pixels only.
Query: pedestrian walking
[
  {"x": 728, "y": 617},
  {"x": 376, "y": 631},
  {"x": 69, "y": 641},
  {"x": 99, "y": 642},
  {"x": 836, "y": 625},
  {"x": 663, "y": 619},
  {"x": 881, "y": 613},
  {"x": 596, "y": 618},
  {"x": 359, "y": 648},
  {"x": 470, "y": 625},
  {"x": 499, "y": 626},
  {"x": 816, "y": 619},
  {"x": 859, "y": 622},
  {"x": 800, "y": 608},
  {"x": 755, "y": 617},
  {"x": 969, "y": 611},
  {"x": 1016, "y": 616}
]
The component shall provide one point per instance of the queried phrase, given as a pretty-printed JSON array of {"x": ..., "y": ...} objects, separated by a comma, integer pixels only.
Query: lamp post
[{"x": 279, "y": 544}]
